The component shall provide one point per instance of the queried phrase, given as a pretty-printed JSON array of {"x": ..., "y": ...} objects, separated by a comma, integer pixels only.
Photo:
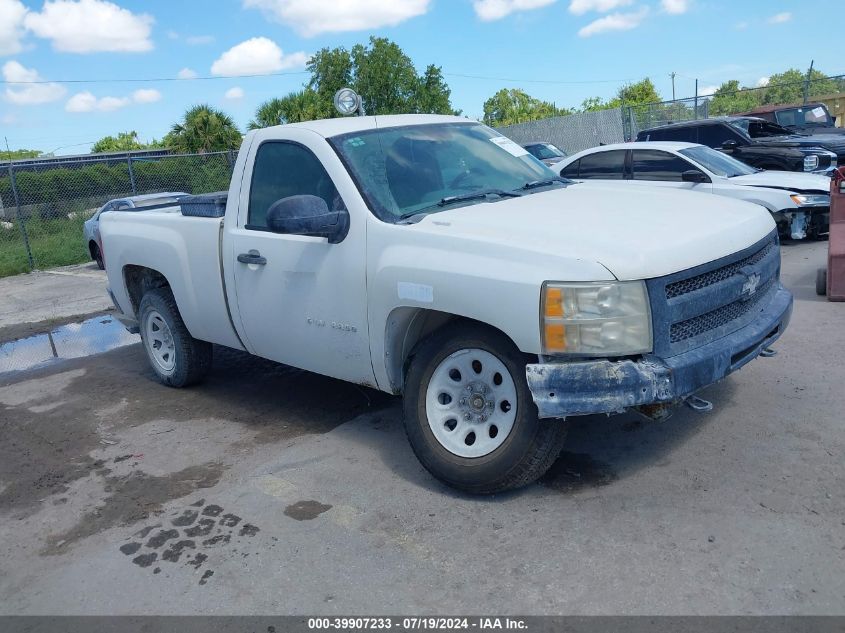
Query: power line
[{"x": 292, "y": 73}]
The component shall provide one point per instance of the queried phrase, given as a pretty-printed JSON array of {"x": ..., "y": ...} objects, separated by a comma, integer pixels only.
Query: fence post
[
  {"x": 131, "y": 174},
  {"x": 21, "y": 222},
  {"x": 696, "y": 100}
]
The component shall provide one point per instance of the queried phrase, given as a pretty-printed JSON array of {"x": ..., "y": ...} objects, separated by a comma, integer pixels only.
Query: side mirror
[
  {"x": 730, "y": 146},
  {"x": 308, "y": 215},
  {"x": 693, "y": 175}
]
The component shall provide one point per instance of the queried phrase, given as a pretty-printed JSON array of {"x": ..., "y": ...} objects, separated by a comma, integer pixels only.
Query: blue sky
[{"x": 559, "y": 50}]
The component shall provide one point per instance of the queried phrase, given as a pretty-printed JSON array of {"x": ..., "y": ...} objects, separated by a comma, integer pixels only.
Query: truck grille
[{"x": 699, "y": 305}]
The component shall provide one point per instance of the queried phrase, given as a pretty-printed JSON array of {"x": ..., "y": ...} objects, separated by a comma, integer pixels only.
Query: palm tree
[
  {"x": 297, "y": 106},
  {"x": 204, "y": 129}
]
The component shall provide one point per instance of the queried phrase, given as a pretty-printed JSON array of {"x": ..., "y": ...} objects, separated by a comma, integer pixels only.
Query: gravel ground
[{"x": 269, "y": 490}]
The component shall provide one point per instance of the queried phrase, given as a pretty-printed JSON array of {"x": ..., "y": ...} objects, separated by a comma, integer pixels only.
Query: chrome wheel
[
  {"x": 471, "y": 403},
  {"x": 159, "y": 343}
]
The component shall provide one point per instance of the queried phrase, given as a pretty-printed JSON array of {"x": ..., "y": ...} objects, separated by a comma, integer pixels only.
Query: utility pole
[
  {"x": 672, "y": 75},
  {"x": 807, "y": 82}
]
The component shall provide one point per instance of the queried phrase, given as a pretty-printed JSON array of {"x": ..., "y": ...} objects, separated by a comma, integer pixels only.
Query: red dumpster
[{"x": 832, "y": 280}]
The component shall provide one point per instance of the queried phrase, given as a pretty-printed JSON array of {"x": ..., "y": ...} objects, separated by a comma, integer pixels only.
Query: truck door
[{"x": 300, "y": 300}]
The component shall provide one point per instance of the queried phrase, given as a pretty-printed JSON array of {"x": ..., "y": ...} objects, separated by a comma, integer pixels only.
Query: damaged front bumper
[
  {"x": 602, "y": 386},
  {"x": 805, "y": 221}
]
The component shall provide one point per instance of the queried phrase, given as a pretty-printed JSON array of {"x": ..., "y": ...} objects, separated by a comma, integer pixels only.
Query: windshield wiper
[
  {"x": 448, "y": 200},
  {"x": 535, "y": 184}
]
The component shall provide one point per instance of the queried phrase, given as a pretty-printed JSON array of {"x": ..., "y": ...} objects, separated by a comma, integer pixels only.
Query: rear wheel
[
  {"x": 177, "y": 358},
  {"x": 821, "y": 282},
  {"x": 469, "y": 414},
  {"x": 96, "y": 255}
]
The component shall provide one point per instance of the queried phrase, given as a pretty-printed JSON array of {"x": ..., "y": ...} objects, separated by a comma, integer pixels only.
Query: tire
[
  {"x": 97, "y": 256},
  {"x": 177, "y": 358},
  {"x": 517, "y": 455},
  {"x": 821, "y": 282}
]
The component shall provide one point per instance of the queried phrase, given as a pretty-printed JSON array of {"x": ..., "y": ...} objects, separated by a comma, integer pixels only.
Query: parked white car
[
  {"x": 799, "y": 202},
  {"x": 432, "y": 257},
  {"x": 91, "y": 228}
]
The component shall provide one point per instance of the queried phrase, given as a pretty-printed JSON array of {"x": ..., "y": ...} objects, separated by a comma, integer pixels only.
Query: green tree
[
  {"x": 123, "y": 142},
  {"x": 510, "y": 106},
  {"x": 433, "y": 94},
  {"x": 17, "y": 154},
  {"x": 638, "y": 93},
  {"x": 293, "y": 108},
  {"x": 729, "y": 98},
  {"x": 382, "y": 74},
  {"x": 203, "y": 129},
  {"x": 788, "y": 87}
]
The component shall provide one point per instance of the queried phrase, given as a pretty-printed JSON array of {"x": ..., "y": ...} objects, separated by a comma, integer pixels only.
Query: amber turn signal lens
[
  {"x": 554, "y": 302},
  {"x": 555, "y": 337}
]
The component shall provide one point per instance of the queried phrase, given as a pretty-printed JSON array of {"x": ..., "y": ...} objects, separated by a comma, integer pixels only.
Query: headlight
[
  {"x": 815, "y": 200},
  {"x": 595, "y": 319},
  {"x": 811, "y": 162}
]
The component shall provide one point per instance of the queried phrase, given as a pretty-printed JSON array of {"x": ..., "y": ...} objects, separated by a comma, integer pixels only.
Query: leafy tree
[
  {"x": 638, "y": 93},
  {"x": 382, "y": 74},
  {"x": 203, "y": 129},
  {"x": 788, "y": 87},
  {"x": 729, "y": 98},
  {"x": 123, "y": 142},
  {"x": 16, "y": 154},
  {"x": 295, "y": 107},
  {"x": 510, "y": 106}
]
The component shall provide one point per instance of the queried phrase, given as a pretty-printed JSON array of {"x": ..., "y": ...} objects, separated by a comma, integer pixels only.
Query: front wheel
[
  {"x": 177, "y": 358},
  {"x": 821, "y": 282},
  {"x": 469, "y": 414}
]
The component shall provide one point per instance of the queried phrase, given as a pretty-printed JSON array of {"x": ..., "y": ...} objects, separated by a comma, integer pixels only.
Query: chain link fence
[
  {"x": 44, "y": 204},
  {"x": 571, "y": 133}
]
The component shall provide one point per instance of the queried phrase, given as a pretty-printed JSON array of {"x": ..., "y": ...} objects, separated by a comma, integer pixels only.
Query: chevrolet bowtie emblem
[{"x": 752, "y": 282}]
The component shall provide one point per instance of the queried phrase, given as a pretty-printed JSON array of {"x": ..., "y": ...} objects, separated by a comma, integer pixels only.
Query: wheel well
[
  {"x": 140, "y": 279},
  {"x": 93, "y": 248},
  {"x": 405, "y": 328}
]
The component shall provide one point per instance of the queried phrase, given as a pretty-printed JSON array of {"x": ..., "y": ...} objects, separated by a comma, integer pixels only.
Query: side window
[
  {"x": 570, "y": 171},
  {"x": 649, "y": 164},
  {"x": 715, "y": 135},
  {"x": 603, "y": 165},
  {"x": 286, "y": 169},
  {"x": 685, "y": 134}
]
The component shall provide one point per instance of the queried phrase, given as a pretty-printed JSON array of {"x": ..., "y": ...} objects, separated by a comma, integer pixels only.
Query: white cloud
[
  {"x": 675, "y": 7},
  {"x": 707, "y": 91},
  {"x": 187, "y": 73},
  {"x": 580, "y": 7},
  {"x": 762, "y": 82},
  {"x": 489, "y": 10},
  {"x": 28, "y": 93},
  {"x": 197, "y": 40},
  {"x": 234, "y": 94},
  {"x": 146, "y": 95},
  {"x": 89, "y": 26},
  {"x": 312, "y": 17},
  {"x": 11, "y": 26},
  {"x": 256, "y": 56},
  {"x": 614, "y": 22},
  {"x": 87, "y": 102},
  {"x": 780, "y": 18}
]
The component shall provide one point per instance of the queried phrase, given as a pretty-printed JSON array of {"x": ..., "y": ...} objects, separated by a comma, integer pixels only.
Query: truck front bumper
[{"x": 582, "y": 388}]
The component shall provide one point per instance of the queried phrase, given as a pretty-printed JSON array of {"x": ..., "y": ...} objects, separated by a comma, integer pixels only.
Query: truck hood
[
  {"x": 634, "y": 232},
  {"x": 795, "y": 181},
  {"x": 832, "y": 142}
]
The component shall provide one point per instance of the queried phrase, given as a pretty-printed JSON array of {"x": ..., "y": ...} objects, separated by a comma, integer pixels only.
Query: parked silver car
[
  {"x": 545, "y": 152},
  {"x": 91, "y": 228}
]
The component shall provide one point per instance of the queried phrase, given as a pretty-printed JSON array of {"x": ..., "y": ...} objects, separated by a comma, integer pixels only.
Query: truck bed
[{"x": 186, "y": 251}]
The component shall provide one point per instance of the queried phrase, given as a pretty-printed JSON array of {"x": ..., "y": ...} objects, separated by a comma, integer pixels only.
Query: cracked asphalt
[{"x": 268, "y": 490}]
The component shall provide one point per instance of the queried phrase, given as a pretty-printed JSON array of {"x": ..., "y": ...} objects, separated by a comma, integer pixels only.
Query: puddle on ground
[{"x": 75, "y": 340}]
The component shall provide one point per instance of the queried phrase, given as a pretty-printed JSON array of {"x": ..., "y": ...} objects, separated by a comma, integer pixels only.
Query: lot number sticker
[{"x": 509, "y": 146}]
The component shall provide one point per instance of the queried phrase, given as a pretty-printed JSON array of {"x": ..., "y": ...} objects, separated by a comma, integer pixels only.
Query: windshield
[
  {"x": 426, "y": 168},
  {"x": 545, "y": 151},
  {"x": 757, "y": 128},
  {"x": 799, "y": 117},
  {"x": 717, "y": 162}
]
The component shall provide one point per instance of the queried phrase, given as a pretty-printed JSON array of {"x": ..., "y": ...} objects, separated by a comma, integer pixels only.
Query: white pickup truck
[{"x": 431, "y": 257}]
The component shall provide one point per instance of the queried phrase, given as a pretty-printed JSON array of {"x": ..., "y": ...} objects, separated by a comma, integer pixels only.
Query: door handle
[{"x": 252, "y": 257}]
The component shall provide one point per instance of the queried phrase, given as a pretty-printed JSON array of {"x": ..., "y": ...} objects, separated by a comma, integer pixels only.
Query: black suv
[{"x": 757, "y": 142}]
